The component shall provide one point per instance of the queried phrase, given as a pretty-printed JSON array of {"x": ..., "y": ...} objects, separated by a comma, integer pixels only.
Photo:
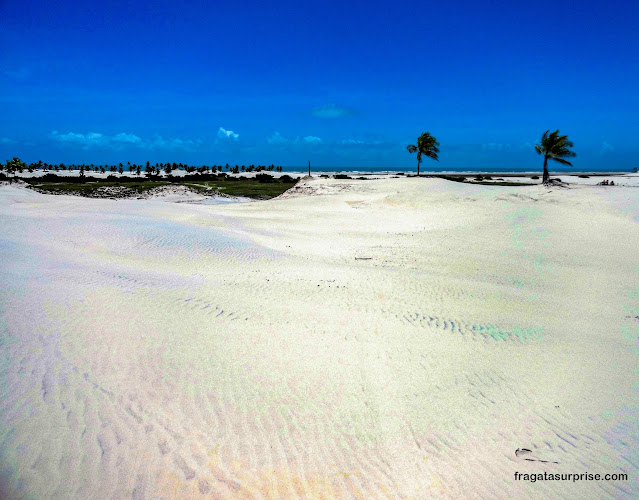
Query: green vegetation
[
  {"x": 15, "y": 165},
  {"x": 554, "y": 147},
  {"x": 97, "y": 188},
  {"x": 242, "y": 186},
  {"x": 263, "y": 186},
  {"x": 208, "y": 180},
  {"x": 427, "y": 146}
]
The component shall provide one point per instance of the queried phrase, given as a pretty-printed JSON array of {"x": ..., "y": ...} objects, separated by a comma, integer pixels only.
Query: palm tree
[
  {"x": 427, "y": 146},
  {"x": 555, "y": 147},
  {"x": 15, "y": 165}
]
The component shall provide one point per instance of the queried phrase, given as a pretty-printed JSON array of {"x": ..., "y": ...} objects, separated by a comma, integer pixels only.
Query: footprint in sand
[{"x": 526, "y": 454}]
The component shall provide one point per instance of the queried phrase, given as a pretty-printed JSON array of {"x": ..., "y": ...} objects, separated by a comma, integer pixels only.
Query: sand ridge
[{"x": 389, "y": 338}]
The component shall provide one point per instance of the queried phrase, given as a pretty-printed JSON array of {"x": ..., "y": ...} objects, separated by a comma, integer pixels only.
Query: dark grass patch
[
  {"x": 88, "y": 187},
  {"x": 248, "y": 188},
  {"x": 204, "y": 184}
]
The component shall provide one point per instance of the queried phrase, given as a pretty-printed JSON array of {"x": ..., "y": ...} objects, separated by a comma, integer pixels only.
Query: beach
[{"x": 387, "y": 338}]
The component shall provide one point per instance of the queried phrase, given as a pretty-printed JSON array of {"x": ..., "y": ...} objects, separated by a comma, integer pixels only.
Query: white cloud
[
  {"x": 85, "y": 140},
  {"x": 6, "y": 140},
  {"x": 128, "y": 138},
  {"x": 331, "y": 111},
  {"x": 123, "y": 139},
  {"x": 224, "y": 134},
  {"x": 277, "y": 138}
]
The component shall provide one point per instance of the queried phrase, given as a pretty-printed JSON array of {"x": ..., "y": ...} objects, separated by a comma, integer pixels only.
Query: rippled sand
[{"x": 392, "y": 338}]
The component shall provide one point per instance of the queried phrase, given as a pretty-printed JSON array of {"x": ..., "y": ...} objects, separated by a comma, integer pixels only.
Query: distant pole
[{"x": 309, "y": 167}]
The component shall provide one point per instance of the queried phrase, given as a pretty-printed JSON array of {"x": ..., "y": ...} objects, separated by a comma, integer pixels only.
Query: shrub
[
  {"x": 205, "y": 177},
  {"x": 265, "y": 178},
  {"x": 287, "y": 178},
  {"x": 341, "y": 176},
  {"x": 535, "y": 177}
]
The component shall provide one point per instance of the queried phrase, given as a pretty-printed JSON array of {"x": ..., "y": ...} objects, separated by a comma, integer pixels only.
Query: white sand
[
  {"x": 627, "y": 179},
  {"x": 395, "y": 338},
  {"x": 590, "y": 180}
]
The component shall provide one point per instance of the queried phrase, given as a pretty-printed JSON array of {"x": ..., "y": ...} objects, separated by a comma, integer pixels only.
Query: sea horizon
[{"x": 454, "y": 171}]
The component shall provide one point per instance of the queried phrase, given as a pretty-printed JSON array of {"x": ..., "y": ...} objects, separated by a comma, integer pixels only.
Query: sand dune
[{"x": 389, "y": 338}]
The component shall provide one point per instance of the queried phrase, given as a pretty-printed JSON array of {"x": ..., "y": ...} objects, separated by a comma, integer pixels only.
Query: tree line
[{"x": 16, "y": 165}]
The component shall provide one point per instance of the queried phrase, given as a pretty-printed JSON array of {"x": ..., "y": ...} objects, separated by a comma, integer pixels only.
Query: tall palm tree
[
  {"x": 427, "y": 146},
  {"x": 554, "y": 147}
]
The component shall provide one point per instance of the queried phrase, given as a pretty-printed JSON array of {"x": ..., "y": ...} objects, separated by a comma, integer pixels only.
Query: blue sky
[{"x": 343, "y": 84}]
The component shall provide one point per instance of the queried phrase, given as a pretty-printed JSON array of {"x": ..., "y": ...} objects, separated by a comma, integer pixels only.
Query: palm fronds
[
  {"x": 427, "y": 145},
  {"x": 554, "y": 147}
]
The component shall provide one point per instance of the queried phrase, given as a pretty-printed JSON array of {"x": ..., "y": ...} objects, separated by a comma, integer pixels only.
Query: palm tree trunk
[
  {"x": 546, "y": 178},
  {"x": 418, "y": 162}
]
